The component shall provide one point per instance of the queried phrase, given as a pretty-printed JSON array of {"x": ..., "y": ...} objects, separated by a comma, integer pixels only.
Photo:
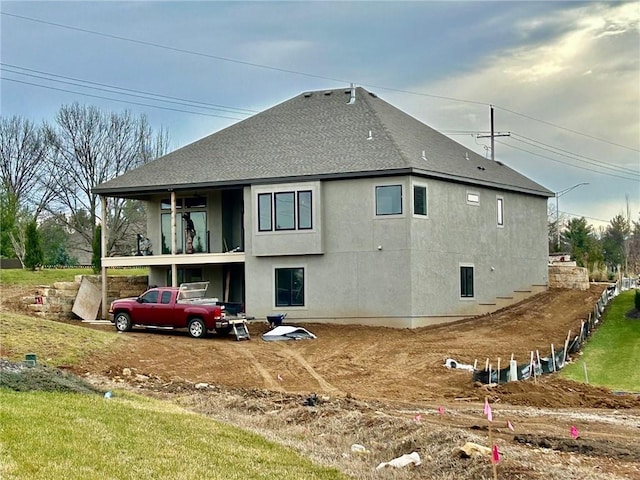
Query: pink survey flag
[
  {"x": 441, "y": 410},
  {"x": 487, "y": 410},
  {"x": 495, "y": 458},
  {"x": 417, "y": 418},
  {"x": 510, "y": 426},
  {"x": 280, "y": 379},
  {"x": 574, "y": 432}
]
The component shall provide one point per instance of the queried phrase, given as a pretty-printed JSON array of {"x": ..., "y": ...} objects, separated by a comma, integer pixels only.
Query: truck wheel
[
  {"x": 123, "y": 322},
  {"x": 197, "y": 328}
]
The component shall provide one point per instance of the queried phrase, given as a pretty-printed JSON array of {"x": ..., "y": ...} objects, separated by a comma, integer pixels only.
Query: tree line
[
  {"x": 48, "y": 214},
  {"x": 605, "y": 251}
]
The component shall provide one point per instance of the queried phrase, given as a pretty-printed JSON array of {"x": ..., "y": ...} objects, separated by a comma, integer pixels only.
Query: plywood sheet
[{"x": 88, "y": 301}]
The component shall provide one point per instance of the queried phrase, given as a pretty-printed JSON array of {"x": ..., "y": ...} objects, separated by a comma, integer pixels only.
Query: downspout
[{"x": 103, "y": 250}]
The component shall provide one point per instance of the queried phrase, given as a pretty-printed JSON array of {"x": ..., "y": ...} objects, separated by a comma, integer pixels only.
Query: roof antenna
[{"x": 352, "y": 98}]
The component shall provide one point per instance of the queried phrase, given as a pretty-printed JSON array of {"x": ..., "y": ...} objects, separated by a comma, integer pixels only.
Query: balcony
[{"x": 178, "y": 259}]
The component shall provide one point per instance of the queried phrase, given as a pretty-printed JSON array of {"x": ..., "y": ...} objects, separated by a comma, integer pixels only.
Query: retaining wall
[
  {"x": 561, "y": 276},
  {"x": 56, "y": 301}
]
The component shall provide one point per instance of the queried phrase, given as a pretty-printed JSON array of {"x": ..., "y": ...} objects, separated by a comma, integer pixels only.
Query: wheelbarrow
[{"x": 276, "y": 320}]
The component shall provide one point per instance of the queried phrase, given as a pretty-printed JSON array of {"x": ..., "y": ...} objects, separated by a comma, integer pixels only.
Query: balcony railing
[{"x": 178, "y": 259}]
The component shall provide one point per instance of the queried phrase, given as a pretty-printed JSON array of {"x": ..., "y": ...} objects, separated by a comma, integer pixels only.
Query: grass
[
  {"x": 612, "y": 354},
  {"x": 48, "y": 276},
  {"x": 51, "y": 435},
  {"x": 54, "y": 343}
]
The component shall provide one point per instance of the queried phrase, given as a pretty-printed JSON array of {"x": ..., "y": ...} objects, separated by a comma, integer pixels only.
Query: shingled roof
[{"x": 318, "y": 135}]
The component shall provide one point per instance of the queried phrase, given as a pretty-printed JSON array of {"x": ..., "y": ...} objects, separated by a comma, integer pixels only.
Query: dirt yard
[{"x": 389, "y": 390}]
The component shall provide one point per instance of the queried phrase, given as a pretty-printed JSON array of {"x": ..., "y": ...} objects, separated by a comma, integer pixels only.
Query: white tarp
[{"x": 287, "y": 332}]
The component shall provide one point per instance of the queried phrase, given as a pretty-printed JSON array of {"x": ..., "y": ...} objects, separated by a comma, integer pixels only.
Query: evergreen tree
[
  {"x": 33, "y": 250},
  {"x": 96, "y": 258}
]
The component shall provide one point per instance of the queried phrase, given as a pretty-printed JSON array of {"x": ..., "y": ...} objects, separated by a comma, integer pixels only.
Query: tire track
[
  {"x": 324, "y": 385},
  {"x": 269, "y": 381}
]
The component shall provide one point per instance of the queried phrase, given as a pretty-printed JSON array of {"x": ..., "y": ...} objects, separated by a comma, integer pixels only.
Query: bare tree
[
  {"x": 91, "y": 147},
  {"x": 23, "y": 154}
]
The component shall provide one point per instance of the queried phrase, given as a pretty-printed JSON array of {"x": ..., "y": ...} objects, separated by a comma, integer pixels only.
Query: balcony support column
[
  {"x": 174, "y": 240},
  {"x": 103, "y": 254}
]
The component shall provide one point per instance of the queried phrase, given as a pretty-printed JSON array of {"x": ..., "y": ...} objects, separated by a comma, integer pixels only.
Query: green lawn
[
  {"x": 59, "y": 436},
  {"x": 48, "y": 276},
  {"x": 54, "y": 343},
  {"x": 612, "y": 354},
  {"x": 66, "y": 436}
]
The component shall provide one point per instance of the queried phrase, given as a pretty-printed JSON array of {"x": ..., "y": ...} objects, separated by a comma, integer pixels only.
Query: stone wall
[
  {"x": 565, "y": 276},
  {"x": 55, "y": 302}
]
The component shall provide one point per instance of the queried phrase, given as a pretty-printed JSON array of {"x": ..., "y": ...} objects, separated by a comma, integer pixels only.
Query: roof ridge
[{"x": 386, "y": 130}]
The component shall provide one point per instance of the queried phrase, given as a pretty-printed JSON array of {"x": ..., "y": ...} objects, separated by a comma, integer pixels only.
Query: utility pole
[{"x": 493, "y": 136}]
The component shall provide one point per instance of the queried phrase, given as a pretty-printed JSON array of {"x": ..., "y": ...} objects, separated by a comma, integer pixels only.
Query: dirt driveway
[
  {"x": 364, "y": 362},
  {"x": 389, "y": 388}
]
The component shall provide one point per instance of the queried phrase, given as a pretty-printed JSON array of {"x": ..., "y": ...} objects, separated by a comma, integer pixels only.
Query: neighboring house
[{"x": 335, "y": 206}]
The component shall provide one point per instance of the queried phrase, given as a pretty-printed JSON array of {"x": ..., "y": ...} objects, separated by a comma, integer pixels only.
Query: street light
[{"x": 558, "y": 195}]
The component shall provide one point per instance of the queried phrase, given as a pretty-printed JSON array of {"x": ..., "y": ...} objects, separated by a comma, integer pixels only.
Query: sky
[{"x": 563, "y": 77}]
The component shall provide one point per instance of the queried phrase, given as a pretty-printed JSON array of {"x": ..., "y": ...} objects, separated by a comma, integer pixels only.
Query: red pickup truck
[{"x": 175, "y": 307}]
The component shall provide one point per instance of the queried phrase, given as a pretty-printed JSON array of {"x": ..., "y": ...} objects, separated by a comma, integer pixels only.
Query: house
[{"x": 335, "y": 206}]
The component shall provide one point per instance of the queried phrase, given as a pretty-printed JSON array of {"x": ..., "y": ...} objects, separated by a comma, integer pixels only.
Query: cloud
[{"x": 584, "y": 76}]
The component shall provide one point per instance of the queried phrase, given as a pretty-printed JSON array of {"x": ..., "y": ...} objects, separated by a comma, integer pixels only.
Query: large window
[
  {"x": 420, "y": 200},
  {"x": 285, "y": 211},
  {"x": 186, "y": 275},
  {"x": 389, "y": 200},
  {"x": 466, "y": 282},
  {"x": 289, "y": 287},
  {"x": 191, "y": 223}
]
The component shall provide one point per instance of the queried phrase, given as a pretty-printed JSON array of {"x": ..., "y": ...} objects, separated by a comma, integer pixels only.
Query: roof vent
[
  {"x": 352, "y": 98},
  {"x": 481, "y": 168},
  {"x": 308, "y": 94},
  {"x": 424, "y": 156},
  {"x": 370, "y": 137},
  {"x": 327, "y": 93},
  {"x": 466, "y": 155}
]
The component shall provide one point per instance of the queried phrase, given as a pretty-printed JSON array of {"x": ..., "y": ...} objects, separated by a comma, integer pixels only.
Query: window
[
  {"x": 500, "y": 211},
  {"x": 194, "y": 208},
  {"x": 264, "y": 212},
  {"x": 285, "y": 211},
  {"x": 473, "y": 198},
  {"x": 150, "y": 297},
  {"x": 289, "y": 287},
  {"x": 304, "y": 210},
  {"x": 389, "y": 200},
  {"x": 186, "y": 275},
  {"x": 166, "y": 297},
  {"x": 199, "y": 241},
  {"x": 420, "y": 200},
  {"x": 466, "y": 282}
]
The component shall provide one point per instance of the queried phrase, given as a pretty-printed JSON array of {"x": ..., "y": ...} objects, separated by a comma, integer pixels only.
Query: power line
[
  {"x": 567, "y": 129},
  {"x": 578, "y": 215},
  {"x": 174, "y": 49},
  {"x": 295, "y": 72},
  {"x": 628, "y": 170},
  {"x": 564, "y": 163},
  {"x": 146, "y": 95},
  {"x": 572, "y": 156},
  {"x": 117, "y": 99}
]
